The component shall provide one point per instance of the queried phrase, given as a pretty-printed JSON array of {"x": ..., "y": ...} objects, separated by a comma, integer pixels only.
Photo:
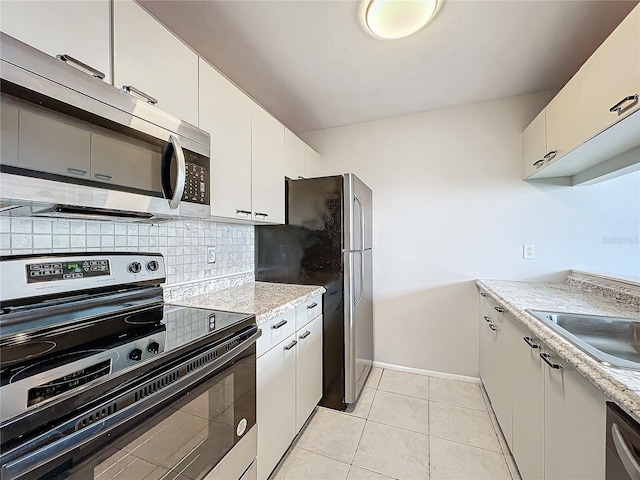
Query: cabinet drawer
[
  {"x": 276, "y": 330},
  {"x": 308, "y": 311},
  {"x": 493, "y": 308}
]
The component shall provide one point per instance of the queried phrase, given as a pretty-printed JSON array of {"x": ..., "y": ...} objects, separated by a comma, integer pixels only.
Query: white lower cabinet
[
  {"x": 289, "y": 383},
  {"x": 309, "y": 370},
  {"x": 553, "y": 418},
  {"x": 574, "y": 424},
  {"x": 496, "y": 369},
  {"x": 276, "y": 404}
]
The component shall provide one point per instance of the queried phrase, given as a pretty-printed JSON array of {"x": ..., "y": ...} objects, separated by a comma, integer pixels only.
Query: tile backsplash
[{"x": 183, "y": 243}]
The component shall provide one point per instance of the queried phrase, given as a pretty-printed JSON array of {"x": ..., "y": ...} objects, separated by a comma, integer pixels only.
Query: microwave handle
[{"x": 173, "y": 195}]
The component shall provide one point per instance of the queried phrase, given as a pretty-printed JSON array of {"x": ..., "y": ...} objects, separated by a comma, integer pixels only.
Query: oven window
[{"x": 182, "y": 440}]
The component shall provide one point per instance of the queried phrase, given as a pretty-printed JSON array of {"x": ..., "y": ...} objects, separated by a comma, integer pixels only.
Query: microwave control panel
[{"x": 54, "y": 271}]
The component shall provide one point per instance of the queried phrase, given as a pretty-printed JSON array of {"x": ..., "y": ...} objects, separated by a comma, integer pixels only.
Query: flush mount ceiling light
[{"x": 398, "y": 18}]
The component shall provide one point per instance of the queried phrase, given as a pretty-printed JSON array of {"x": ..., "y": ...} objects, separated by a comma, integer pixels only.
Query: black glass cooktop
[{"x": 154, "y": 330}]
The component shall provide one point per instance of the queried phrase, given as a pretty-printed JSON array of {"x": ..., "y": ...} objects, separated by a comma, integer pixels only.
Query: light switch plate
[
  {"x": 528, "y": 251},
  {"x": 211, "y": 254}
]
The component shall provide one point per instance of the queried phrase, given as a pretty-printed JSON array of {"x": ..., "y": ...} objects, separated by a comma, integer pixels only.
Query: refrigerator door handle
[
  {"x": 361, "y": 219},
  {"x": 361, "y": 279}
]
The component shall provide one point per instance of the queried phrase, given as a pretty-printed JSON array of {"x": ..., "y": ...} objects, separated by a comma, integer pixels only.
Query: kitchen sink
[{"x": 613, "y": 341}]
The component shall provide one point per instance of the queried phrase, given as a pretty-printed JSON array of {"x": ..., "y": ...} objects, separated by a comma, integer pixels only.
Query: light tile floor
[{"x": 404, "y": 426}]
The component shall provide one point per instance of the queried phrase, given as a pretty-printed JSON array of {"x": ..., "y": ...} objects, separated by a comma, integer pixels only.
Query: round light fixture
[{"x": 398, "y": 18}]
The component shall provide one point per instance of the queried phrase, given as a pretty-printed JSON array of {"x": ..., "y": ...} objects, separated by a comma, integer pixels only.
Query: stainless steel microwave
[{"x": 73, "y": 145}]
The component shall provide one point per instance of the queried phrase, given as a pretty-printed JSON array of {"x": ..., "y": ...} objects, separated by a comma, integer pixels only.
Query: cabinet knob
[
  {"x": 546, "y": 358},
  {"x": 618, "y": 107},
  {"x": 68, "y": 59},
  {"x": 487, "y": 318},
  {"x": 139, "y": 93},
  {"x": 492, "y": 327},
  {"x": 278, "y": 325}
]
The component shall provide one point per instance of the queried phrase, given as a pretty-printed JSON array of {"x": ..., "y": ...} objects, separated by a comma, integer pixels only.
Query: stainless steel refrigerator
[{"x": 327, "y": 241}]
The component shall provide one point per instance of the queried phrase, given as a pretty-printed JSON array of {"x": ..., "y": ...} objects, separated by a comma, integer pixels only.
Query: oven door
[{"x": 201, "y": 426}]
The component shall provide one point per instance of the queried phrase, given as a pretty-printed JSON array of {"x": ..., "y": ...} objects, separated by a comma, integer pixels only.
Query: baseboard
[{"x": 431, "y": 373}]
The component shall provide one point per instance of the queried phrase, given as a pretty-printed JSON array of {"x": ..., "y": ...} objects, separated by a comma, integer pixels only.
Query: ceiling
[{"x": 311, "y": 64}]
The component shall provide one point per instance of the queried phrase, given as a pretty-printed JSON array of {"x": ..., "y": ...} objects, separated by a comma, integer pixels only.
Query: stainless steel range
[{"x": 101, "y": 379}]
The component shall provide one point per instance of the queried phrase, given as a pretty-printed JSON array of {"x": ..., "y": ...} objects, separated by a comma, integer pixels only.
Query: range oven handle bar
[{"x": 21, "y": 460}]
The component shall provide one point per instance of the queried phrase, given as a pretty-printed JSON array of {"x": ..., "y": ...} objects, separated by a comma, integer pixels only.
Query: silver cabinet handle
[
  {"x": 482, "y": 294},
  {"x": 278, "y": 325},
  {"x": 305, "y": 335},
  {"x": 258, "y": 214},
  {"x": 313, "y": 305},
  {"x": 139, "y": 93},
  {"x": 547, "y": 359},
  {"x": 173, "y": 145},
  {"x": 291, "y": 345},
  {"x": 625, "y": 453},
  {"x": 538, "y": 163},
  {"x": 529, "y": 341},
  {"x": 487, "y": 318},
  {"x": 244, "y": 213},
  {"x": 498, "y": 309},
  {"x": 618, "y": 107},
  {"x": 102, "y": 176},
  {"x": 69, "y": 60},
  {"x": 550, "y": 156},
  {"x": 76, "y": 171},
  {"x": 492, "y": 327}
]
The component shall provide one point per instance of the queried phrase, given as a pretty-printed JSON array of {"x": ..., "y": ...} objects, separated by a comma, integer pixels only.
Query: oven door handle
[{"x": 22, "y": 460}]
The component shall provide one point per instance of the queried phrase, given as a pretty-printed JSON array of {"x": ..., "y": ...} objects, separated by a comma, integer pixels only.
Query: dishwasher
[{"x": 623, "y": 445}]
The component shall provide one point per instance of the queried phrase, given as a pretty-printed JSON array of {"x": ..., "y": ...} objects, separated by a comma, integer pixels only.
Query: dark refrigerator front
[{"x": 309, "y": 251}]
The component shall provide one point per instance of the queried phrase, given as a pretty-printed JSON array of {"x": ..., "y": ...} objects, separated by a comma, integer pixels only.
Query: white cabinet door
[
  {"x": 496, "y": 371},
  {"x": 267, "y": 179},
  {"x": 79, "y": 29},
  {"x": 225, "y": 112},
  {"x": 312, "y": 163},
  {"x": 294, "y": 155},
  {"x": 574, "y": 424},
  {"x": 528, "y": 405},
  {"x": 562, "y": 119},
  {"x": 276, "y": 403},
  {"x": 534, "y": 145},
  {"x": 609, "y": 76},
  {"x": 150, "y": 58},
  {"x": 309, "y": 370}
]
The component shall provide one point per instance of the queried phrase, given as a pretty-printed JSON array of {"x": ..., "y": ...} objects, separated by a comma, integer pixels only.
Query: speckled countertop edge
[
  {"x": 621, "y": 385},
  {"x": 264, "y": 300}
]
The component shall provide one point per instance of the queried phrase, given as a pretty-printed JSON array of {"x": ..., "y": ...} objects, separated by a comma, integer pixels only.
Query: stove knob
[
  {"x": 135, "y": 354},
  {"x": 134, "y": 267},
  {"x": 152, "y": 266},
  {"x": 154, "y": 347}
]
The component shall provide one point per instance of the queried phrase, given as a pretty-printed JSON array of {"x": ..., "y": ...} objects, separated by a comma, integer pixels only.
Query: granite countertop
[
  {"x": 621, "y": 385},
  {"x": 264, "y": 300}
]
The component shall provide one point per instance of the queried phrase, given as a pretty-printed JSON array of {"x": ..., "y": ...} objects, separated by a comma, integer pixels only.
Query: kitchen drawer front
[
  {"x": 308, "y": 311},
  {"x": 493, "y": 308},
  {"x": 276, "y": 330}
]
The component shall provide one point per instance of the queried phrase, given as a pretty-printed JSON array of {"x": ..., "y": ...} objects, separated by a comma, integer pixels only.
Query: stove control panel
[{"x": 53, "y": 271}]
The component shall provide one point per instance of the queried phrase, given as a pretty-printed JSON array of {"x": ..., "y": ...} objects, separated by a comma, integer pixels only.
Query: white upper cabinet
[
  {"x": 312, "y": 163},
  {"x": 294, "y": 155},
  {"x": 267, "y": 178},
  {"x": 582, "y": 123},
  {"x": 225, "y": 112},
  {"x": 610, "y": 79},
  {"x": 81, "y": 30},
  {"x": 534, "y": 145},
  {"x": 151, "y": 59}
]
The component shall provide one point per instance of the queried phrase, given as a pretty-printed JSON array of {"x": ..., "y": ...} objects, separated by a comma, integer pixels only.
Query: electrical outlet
[
  {"x": 211, "y": 254},
  {"x": 528, "y": 251}
]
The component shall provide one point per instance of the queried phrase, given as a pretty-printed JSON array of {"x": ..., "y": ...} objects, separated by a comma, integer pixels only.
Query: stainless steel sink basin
[{"x": 613, "y": 341}]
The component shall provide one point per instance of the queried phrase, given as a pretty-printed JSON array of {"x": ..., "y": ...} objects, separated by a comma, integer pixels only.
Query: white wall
[{"x": 450, "y": 207}]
